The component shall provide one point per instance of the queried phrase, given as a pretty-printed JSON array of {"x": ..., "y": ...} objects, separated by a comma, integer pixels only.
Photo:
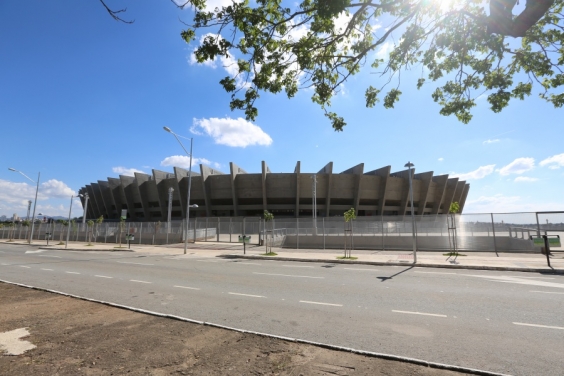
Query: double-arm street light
[
  {"x": 35, "y": 203},
  {"x": 409, "y": 165},
  {"x": 188, "y": 206}
]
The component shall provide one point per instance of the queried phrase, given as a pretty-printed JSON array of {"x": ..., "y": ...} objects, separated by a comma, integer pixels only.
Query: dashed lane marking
[
  {"x": 320, "y": 303},
  {"x": 252, "y": 296},
  {"x": 298, "y": 266},
  {"x": 420, "y": 313},
  {"x": 135, "y": 280},
  {"x": 549, "y": 292},
  {"x": 186, "y": 287},
  {"x": 135, "y": 263},
  {"x": 247, "y": 263},
  {"x": 102, "y": 276},
  {"x": 72, "y": 273},
  {"x": 49, "y": 256},
  {"x": 23, "y": 266},
  {"x": 47, "y": 269},
  {"x": 288, "y": 275},
  {"x": 539, "y": 326}
]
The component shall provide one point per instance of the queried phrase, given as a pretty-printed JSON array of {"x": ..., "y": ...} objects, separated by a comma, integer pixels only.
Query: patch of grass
[
  {"x": 347, "y": 258},
  {"x": 270, "y": 254},
  {"x": 61, "y": 243},
  {"x": 120, "y": 247},
  {"x": 453, "y": 254},
  {"x": 89, "y": 245}
]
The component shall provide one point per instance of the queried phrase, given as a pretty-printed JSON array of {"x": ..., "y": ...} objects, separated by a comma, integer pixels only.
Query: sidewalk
[{"x": 525, "y": 262}]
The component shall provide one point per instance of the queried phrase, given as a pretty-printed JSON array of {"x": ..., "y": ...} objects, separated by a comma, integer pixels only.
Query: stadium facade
[{"x": 238, "y": 193}]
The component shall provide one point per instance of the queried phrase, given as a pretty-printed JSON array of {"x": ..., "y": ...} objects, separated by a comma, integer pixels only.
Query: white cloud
[
  {"x": 14, "y": 197},
  {"x": 232, "y": 132},
  {"x": 518, "y": 166},
  {"x": 554, "y": 162},
  {"x": 480, "y": 173},
  {"x": 184, "y": 161},
  {"x": 210, "y": 4},
  {"x": 126, "y": 171},
  {"x": 525, "y": 179},
  {"x": 56, "y": 189},
  {"x": 384, "y": 50},
  {"x": 441, "y": 159},
  {"x": 490, "y": 141}
]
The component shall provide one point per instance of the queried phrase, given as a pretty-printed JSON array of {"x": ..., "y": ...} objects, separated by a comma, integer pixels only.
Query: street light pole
[
  {"x": 28, "y": 209},
  {"x": 34, "y": 204},
  {"x": 69, "y": 226},
  {"x": 170, "y": 190},
  {"x": 85, "y": 207},
  {"x": 410, "y": 165},
  {"x": 189, "y": 186}
]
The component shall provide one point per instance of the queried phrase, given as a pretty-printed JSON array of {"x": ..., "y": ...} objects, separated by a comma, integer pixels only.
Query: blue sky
[{"x": 83, "y": 98}]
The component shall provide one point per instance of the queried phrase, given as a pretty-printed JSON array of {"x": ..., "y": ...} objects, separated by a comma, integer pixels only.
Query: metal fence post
[
  {"x": 141, "y": 231},
  {"x": 323, "y": 221},
  {"x": 382, "y": 223},
  {"x": 297, "y": 233},
  {"x": 493, "y": 232},
  {"x": 206, "y": 231}
]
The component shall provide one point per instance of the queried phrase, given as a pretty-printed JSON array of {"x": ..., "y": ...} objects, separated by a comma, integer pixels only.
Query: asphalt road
[{"x": 505, "y": 322}]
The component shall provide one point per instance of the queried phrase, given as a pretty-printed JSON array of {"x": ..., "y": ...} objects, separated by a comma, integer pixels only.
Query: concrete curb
[
  {"x": 419, "y": 265},
  {"x": 470, "y": 371}
]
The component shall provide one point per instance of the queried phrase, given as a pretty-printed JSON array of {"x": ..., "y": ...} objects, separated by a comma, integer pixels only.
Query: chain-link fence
[{"x": 465, "y": 232}]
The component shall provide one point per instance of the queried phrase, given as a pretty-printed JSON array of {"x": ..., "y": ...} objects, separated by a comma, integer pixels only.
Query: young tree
[
  {"x": 465, "y": 48},
  {"x": 269, "y": 234},
  {"x": 349, "y": 215},
  {"x": 99, "y": 221},
  {"x": 64, "y": 225},
  {"x": 453, "y": 209},
  {"x": 90, "y": 224}
]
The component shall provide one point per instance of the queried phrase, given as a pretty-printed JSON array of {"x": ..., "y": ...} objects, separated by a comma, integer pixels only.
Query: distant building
[{"x": 238, "y": 193}]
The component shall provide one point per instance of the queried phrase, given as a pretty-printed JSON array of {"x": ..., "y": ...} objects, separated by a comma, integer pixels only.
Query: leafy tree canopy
[{"x": 464, "y": 48}]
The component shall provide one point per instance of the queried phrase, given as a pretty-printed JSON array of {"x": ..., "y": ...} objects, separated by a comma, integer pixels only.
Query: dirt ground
[{"x": 75, "y": 337}]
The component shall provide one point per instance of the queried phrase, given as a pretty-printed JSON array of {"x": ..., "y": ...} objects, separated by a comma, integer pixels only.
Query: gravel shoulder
[{"x": 76, "y": 337}]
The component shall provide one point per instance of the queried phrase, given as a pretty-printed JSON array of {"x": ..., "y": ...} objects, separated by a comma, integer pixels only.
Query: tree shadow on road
[{"x": 384, "y": 279}]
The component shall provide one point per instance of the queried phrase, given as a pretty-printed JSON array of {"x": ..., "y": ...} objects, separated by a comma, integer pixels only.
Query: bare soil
[{"x": 76, "y": 337}]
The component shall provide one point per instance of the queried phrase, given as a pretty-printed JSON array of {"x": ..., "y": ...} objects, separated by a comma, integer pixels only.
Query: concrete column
[
  {"x": 384, "y": 174},
  {"x": 463, "y": 196},
  {"x": 425, "y": 178},
  {"x": 357, "y": 170},
  {"x": 441, "y": 182},
  {"x": 449, "y": 193},
  {"x": 92, "y": 203},
  {"x": 234, "y": 171},
  {"x": 297, "y": 173},
  {"x": 265, "y": 170},
  {"x": 141, "y": 181},
  {"x": 328, "y": 170}
]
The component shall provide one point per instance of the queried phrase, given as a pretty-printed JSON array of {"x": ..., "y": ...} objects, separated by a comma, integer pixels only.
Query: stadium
[{"x": 240, "y": 194}]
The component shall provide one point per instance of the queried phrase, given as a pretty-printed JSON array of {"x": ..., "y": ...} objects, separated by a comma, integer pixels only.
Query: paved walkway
[{"x": 529, "y": 262}]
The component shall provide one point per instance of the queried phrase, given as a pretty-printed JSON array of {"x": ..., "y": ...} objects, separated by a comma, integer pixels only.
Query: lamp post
[
  {"x": 69, "y": 226},
  {"x": 170, "y": 190},
  {"x": 35, "y": 203},
  {"x": 189, "y": 186},
  {"x": 85, "y": 196},
  {"x": 410, "y": 165},
  {"x": 28, "y": 209}
]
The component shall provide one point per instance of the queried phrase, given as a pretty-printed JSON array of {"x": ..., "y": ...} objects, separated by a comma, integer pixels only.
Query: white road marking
[
  {"x": 517, "y": 280},
  {"x": 549, "y": 292},
  {"x": 38, "y": 251},
  {"x": 298, "y": 266},
  {"x": 5, "y": 264},
  {"x": 102, "y": 276},
  {"x": 49, "y": 256},
  {"x": 287, "y": 275},
  {"x": 23, "y": 266},
  {"x": 47, "y": 269},
  {"x": 370, "y": 270},
  {"x": 135, "y": 280},
  {"x": 136, "y": 263},
  {"x": 208, "y": 260},
  {"x": 319, "y": 303},
  {"x": 72, "y": 272},
  {"x": 186, "y": 287},
  {"x": 435, "y": 272},
  {"x": 248, "y": 263},
  {"x": 538, "y": 277},
  {"x": 539, "y": 326},
  {"x": 252, "y": 296},
  {"x": 420, "y": 313}
]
